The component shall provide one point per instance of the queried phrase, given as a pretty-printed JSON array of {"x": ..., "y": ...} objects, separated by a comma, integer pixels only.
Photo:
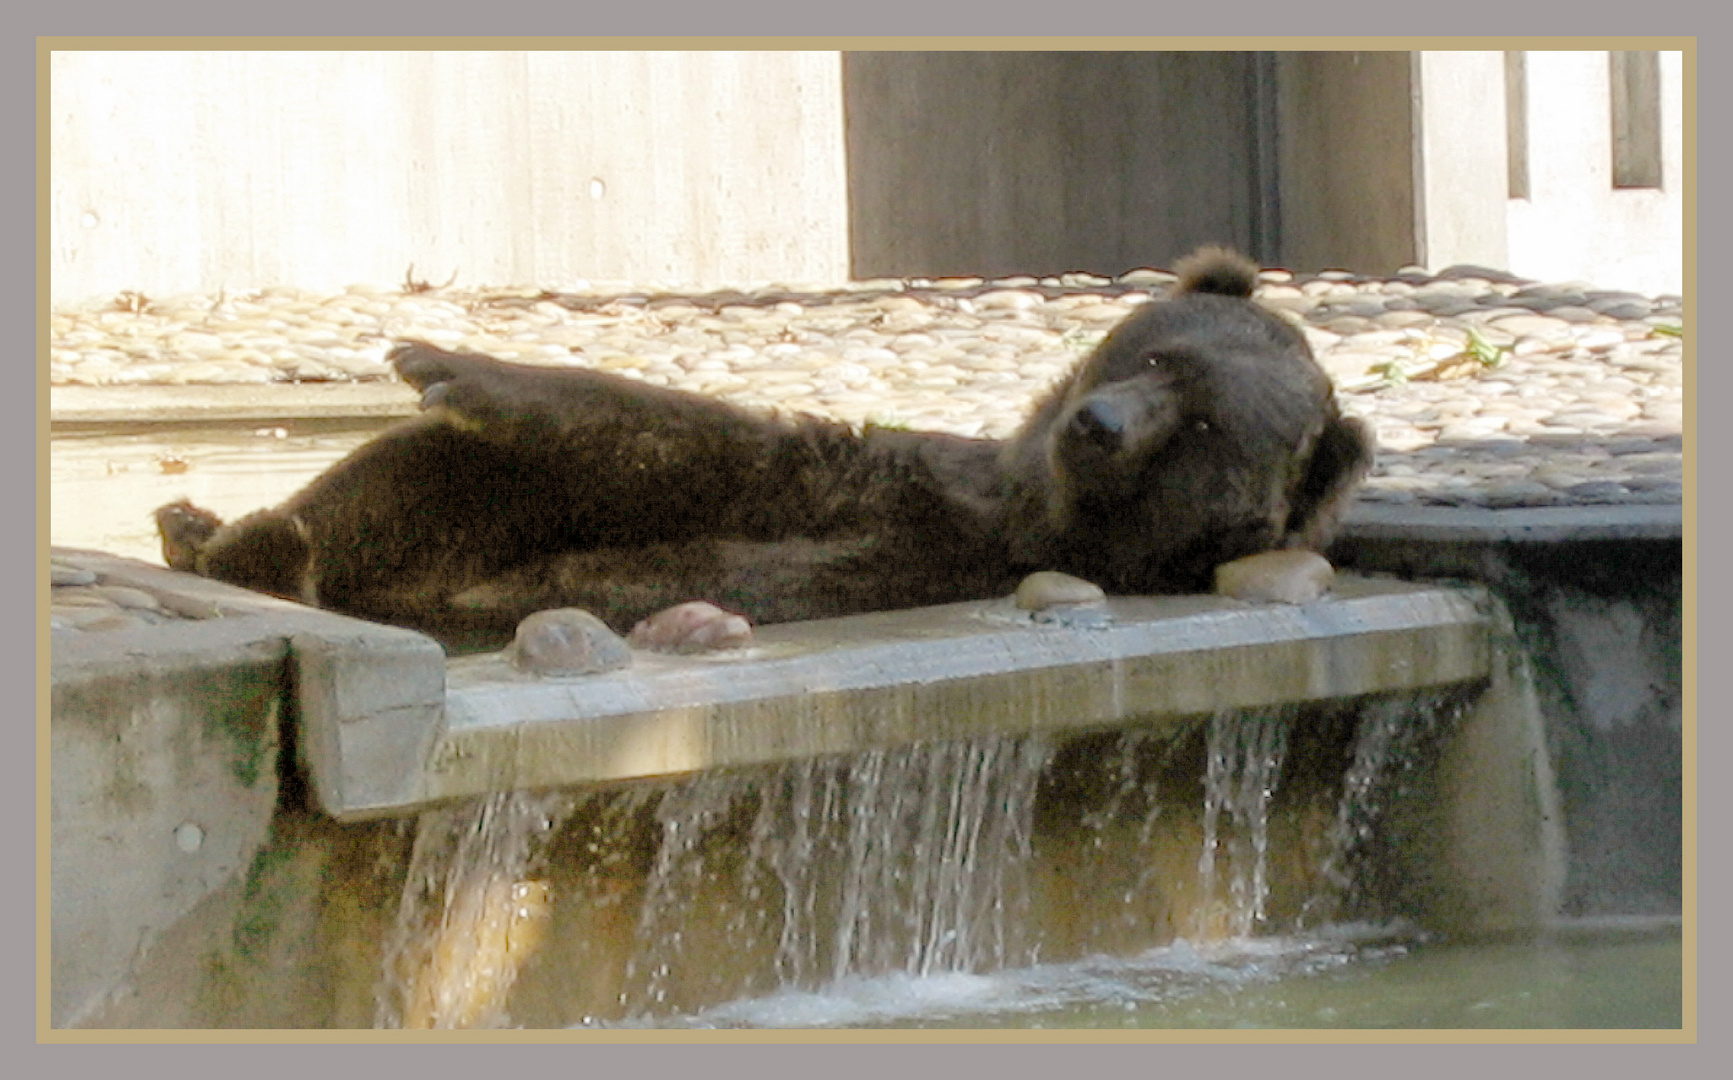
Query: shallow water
[
  {"x": 1344, "y": 977},
  {"x": 105, "y": 483}
]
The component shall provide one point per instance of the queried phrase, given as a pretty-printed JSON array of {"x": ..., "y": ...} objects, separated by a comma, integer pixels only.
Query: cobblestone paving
[{"x": 1483, "y": 389}]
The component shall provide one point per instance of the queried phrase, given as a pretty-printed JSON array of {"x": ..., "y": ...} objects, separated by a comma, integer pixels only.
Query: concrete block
[
  {"x": 163, "y": 780},
  {"x": 163, "y": 745},
  {"x": 372, "y": 703},
  {"x": 1505, "y": 860}
]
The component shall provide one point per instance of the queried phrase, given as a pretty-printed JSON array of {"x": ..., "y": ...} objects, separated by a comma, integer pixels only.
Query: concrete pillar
[
  {"x": 1461, "y": 160},
  {"x": 1504, "y": 858}
]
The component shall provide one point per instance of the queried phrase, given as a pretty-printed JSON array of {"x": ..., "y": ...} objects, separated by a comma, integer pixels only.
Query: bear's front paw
[{"x": 692, "y": 627}]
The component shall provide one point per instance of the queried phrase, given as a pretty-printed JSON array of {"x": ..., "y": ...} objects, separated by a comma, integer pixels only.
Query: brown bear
[{"x": 1199, "y": 431}]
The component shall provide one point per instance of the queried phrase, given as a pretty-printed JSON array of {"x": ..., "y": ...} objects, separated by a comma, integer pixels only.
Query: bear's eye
[{"x": 1201, "y": 425}]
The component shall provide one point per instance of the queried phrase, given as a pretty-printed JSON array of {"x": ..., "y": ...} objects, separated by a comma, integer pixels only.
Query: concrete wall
[
  {"x": 173, "y": 759},
  {"x": 1601, "y": 622},
  {"x": 164, "y": 784},
  {"x": 195, "y": 886},
  {"x": 1460, "y": 160},
  {"x": 1576, "y": 224},
  {"x": 177, "y": 172},
  {"x": 1002, "y": 163}
]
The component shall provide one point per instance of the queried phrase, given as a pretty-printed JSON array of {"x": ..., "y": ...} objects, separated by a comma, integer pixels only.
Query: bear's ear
[
  {"x": 1217, "y": 270},
  {"x": 1341, "y": 457}
]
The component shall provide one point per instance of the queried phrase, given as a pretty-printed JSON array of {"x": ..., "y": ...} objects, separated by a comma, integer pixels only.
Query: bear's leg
[
  {"x": 642, "y": 463},
  {"x": 520, "y": 403},
  {"x": 266, "y": 551}
]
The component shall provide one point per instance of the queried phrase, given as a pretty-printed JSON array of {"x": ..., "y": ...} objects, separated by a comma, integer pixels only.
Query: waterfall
[
  {"x": 1245, "y": 757},
  {"x": 903, "y": 860},
  {"x": 470, "y": 912},
  {"x": 934, "y": 859}
]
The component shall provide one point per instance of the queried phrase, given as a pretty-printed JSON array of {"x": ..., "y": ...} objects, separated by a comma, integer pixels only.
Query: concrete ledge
[
  {"x": 372, "y": 702},
  {"x": 383, "y": 400},
  {"x": 388, "y": 725},
  {"x": 873, "y": 681},
  {"x": 1541, "y": 524}
]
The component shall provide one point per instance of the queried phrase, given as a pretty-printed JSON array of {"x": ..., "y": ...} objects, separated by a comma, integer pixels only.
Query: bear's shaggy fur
[{"x": 1200, "y": 430}]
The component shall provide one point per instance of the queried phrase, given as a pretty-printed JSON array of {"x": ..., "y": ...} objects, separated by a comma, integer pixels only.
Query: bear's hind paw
[
  {"x": 185, "y": 530},
  {"x": 422, "y": 365}
]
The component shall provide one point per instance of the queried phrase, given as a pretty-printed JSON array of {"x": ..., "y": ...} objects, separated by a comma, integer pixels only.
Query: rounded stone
[
  {"x": 1014, "y": 299},
  {"x": 127, "y": 597},
  {"x": 1145, "y": 276},
  {"x": 692, "y": 627},
  {"x": 1398, "y": 318},
  {"x": 1504, "y": 494},
  {"x": 566, "y": 641},
  {"x": 1348, "y": 324},
  {"x": 1292, "y": 576},
  {"x": 67, "y": 574},
  {"x": 1619, "y": 308},
  {"x": 1049, "y": 588},
  {"x": 1446, "y": 306},
  {"x": 1539, "y": 326},
  {"x": 1364, "y": 306},
  {"x": 1600, "y": 338},
  {"x": 1656, "y": 489}
]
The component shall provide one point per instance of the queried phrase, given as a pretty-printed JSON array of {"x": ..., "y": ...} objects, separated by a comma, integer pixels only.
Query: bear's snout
[
  {"x": 1101, "y": 421},
  {"x": 1130, "y": 417}
]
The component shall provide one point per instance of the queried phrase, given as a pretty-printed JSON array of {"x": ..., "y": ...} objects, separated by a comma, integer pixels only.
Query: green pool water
[{"x": 1631, "y": 979}]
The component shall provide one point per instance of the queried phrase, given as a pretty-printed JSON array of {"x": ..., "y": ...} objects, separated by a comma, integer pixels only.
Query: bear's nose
[{"x": 1101, "y": 421}]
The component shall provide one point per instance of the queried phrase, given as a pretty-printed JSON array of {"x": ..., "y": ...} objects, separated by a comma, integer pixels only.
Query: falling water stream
[{"x": 1146, "y": 877}]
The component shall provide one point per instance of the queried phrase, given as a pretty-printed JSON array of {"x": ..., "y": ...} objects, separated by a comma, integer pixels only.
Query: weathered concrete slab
[
  {"x": 164, "y": 742},
  {"x": 866, "y": 682},
  {"x": 371, "y": 704},
  {"x": 163, "y": 782}
]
